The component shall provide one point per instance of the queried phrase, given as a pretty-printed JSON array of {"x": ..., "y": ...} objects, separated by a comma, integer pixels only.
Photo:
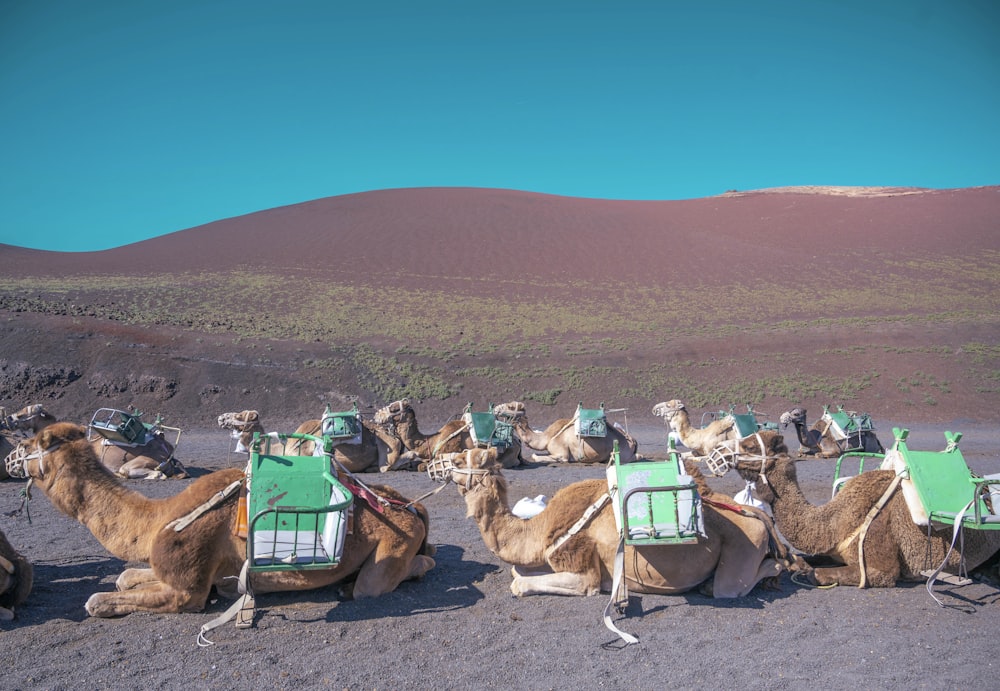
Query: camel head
[
  {"x": 757, "y": 472},
  {"x": 392, "y": 413},
  {"x": 28, "y": 458},
  {"x": 243, "y": 425},
  {"x": 668, "y": 410},
  {"x": 239, "y": 421},
  {"x": 462, "y": 467},
  {"x": 31, "y": 418},
  {"x": 795, "y": 416}
]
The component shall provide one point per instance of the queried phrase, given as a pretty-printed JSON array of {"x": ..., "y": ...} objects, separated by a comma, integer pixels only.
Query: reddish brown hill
[
  {"x": 886, "y": 299},
  {"x": 500, "y": 233}
]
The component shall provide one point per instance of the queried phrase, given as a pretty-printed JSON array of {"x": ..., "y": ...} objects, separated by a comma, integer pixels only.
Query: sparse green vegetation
[{"x": 431, "y": 342}]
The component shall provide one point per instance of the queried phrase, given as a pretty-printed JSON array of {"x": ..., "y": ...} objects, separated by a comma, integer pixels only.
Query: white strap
[
  {"x": 619, "y": 593},
  {"x": 954, "y": 536},
  {"x": 244, "y": 607}
]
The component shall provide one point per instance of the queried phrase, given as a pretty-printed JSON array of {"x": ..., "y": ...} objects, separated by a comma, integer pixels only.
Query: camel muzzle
[
  {"x": 443, "y": 469},
  {"x": 16, "y": 462},
  {"x": 440, "y": 468}
]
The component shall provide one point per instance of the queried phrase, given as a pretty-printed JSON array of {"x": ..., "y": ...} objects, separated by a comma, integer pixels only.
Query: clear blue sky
[{"x": 126, "y": 119}]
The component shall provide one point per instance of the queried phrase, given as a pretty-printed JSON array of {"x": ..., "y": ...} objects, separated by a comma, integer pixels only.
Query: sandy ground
[{"x": 460, "y": 628}]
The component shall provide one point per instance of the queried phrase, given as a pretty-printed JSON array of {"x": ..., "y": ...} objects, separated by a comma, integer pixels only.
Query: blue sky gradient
[{"x": 124, "y": 120}]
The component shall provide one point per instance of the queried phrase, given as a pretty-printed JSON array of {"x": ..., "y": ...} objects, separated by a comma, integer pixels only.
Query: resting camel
[
  {"x": 20, "y": 425},
  {"x": 376, "y": 452},
  {"x": 400, "y": 421},
  {"x": 728, "y": 563},
  {"x": 819, "y": 441},
  {"x": 700, "y": 441},
  {"x": 153, "y": 460},
  {"x": 895, "y": 548},
  {"x": 15, "y": 579},
  {"x": 559, "y": 441},
  {"x": 381, "y": 550}
]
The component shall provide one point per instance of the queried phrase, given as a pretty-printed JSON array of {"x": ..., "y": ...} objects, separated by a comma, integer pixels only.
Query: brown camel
[
  {"x": 895, "y": 548},
  {"x": 15, "y": 579},
  {"x": 377, "y": 451},
  {"x": 730, "y": 561},
  {"x": 399, "y": 420},
  {"x": 382, "y": 549},
  {"x": 561, "y": 442},
  {"x": 19, "y": 426},
  {"x": 701, "y": 441},
  {"x": 134, "y": 450},
  {"x": 824, "y": 440}
]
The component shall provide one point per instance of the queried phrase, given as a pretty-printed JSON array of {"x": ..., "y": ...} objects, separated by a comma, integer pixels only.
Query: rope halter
[
  {"x": 388, "y": 414},
  {"x": 16, "y": 462},
  {"x": 668, "y": 409},
  {"x": 443, "y": 469}
]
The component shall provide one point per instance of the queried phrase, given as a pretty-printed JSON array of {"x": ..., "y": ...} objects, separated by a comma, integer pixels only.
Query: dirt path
[{"x": 459, "y": 628}]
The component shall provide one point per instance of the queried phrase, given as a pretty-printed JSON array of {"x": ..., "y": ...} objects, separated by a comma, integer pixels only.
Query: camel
[
  {"x": 820, "y": 440},
  {"x": 146, "y": 454},
  {"x": 400, "y": 421},
  {"x": 20, "y": 425},
  {"x": 560, "y": 441},
  {"x": 377, "y": 451},
  {"x": 728, "y": 563},
  {"x": 383, "y": 547},
  {"x": 895, "y": 548},
  {"x": 701, "y": 441},
  {"x": 16, "y": 576}
]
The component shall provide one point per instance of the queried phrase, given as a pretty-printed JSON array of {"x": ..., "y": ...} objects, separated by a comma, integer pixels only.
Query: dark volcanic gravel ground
[{"x": 460, "y": 628}]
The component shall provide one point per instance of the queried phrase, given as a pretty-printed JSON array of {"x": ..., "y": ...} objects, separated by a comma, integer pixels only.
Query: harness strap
[
  {"x": 875, "y": 510},
  {"x": 580, "y": 524},
  {"x": 956, "y": 531},
  {"x": 619, "y": 588},
  {"x": 244, "y": 606},
  {"x": 447, "y": 439},
  {"x": 619, "y": 593},
  {"x": 183, "y": 522},
  {"x": 726, "y": 506}
]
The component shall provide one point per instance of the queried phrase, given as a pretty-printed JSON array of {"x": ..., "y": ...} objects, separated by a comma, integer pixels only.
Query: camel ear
[
  {"x": 58, "y": 433},
  {"x": 46, "y": 438}
]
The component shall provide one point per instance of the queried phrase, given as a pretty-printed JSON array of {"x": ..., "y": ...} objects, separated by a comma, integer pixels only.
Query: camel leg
[
  {"x": 420, "y": 565},
  {"x": 575, "y": 570},
  {"x": 383, "y": 571},
  {"x": 559, "y": 583},
  {"x": 851, "y": 575},
  {"x": 405, "y": 460},
  {"x": 131, "y": 578},
  {"x": 151, "y": 597},
  {"x": 548, "y": 458}
]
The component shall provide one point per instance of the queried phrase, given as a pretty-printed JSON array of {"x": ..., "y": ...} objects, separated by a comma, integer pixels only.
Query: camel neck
[{"x": 506, "y": 535}]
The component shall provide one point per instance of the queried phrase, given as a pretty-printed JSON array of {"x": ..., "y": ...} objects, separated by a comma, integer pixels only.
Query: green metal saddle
[
  {"x": 590, "y": 422},
  {"x": 487, "y": 430},
  {"x": 746, "y": 424},
  {"x": 119, "y": 427},
  {"x": 343, "y": 426},
  {"x": 946, "y": 488},
  {"x": 845, "y": 424},
  {"x": 655, "y": 502},
  {"x": 297, "y": 509}
]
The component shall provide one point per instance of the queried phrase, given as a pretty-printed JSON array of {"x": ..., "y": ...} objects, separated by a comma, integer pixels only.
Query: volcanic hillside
[{"x": 885, "y": 300}]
